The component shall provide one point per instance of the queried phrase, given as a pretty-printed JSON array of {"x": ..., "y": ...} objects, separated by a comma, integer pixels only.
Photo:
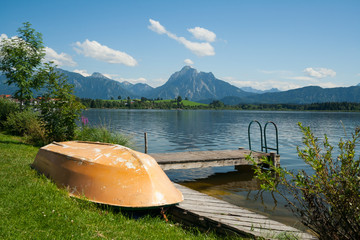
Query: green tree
[
  {"x": 59, "y": 107},
  {"x": 217, "y": 104},
  {"x": 178, "y": 101},
  {"x": 128, "y": 102},
  {"x": 20, "y": 60},
  {"x": 325, "y": 198}
]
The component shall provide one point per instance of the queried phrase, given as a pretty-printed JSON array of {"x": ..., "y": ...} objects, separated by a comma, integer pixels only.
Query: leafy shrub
[
  {"x": 18, "y": 123},
  {"x": 101, "y": 134},
  {"x": 6, "y": 107},
  {"x": 327, "y": 198},
  {"x": 35, "y": 134}
]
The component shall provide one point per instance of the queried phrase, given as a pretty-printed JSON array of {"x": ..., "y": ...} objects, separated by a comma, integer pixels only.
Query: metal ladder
[{"x": 264, "y": 146}]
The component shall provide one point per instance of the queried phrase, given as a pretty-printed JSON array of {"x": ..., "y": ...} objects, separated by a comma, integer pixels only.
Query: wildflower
[{"x": 84, "y": 120}]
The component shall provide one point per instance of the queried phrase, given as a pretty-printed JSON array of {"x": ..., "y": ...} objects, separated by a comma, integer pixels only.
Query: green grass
[
  {"x": 191, "y": 103},
  {"x": 32, "y": 207},
  {"x": 185, "y": 102},
  {"x": 102, "y": 134}
]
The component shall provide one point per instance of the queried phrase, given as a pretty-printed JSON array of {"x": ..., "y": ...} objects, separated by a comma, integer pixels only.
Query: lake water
[{"x": 193, "y": 130}]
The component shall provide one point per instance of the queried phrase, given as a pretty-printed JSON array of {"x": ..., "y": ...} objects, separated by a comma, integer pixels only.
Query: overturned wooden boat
[{"x": 107, "y": 173}]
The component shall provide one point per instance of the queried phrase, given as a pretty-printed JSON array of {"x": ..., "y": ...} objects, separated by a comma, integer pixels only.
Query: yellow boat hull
[{"x": 108, "y": 174}]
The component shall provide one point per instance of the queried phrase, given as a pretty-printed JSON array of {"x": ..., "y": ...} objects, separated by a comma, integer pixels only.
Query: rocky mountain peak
[
  {"x": 98, "y": 75},
  {"x": 188, "y": 70}
]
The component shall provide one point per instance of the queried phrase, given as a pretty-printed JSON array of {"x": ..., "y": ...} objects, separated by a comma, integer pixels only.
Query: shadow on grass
[
  {"x": 131, "y": 213},
  {"x": 17, "y": 142}
]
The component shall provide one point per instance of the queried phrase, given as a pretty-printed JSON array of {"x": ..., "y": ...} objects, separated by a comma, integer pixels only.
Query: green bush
[
  {"x": 35, "y": 134},
  {"x": 28, "y": 124},
  {"x": 325, "y": 198},
  {"x": 101, "y": 134},
  {"x": 6, "y": 107},
  {"x": 18, "y": 123}
]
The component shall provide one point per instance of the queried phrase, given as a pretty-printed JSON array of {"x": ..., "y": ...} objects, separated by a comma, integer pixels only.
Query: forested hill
[{"x": 305, "y": 95}]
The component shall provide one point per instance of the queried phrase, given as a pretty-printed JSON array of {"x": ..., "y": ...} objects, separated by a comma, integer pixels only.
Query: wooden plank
[
  {"x": 219, "y": 209},
  {"x": 240, "y": 219},
  {"x": 199, "y": 159},
  {"x": 211, "y": 213}
]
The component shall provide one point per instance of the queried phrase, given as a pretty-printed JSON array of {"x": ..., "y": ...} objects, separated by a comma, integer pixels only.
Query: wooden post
[
  {"x": 146, "y": 142},
  {"x": 273, "y": 158}
]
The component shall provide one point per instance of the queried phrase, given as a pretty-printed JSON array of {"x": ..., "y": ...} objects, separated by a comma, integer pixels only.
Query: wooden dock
[
  {"x": 209, "y": 213},
  {"x": 200, "y": 159}
]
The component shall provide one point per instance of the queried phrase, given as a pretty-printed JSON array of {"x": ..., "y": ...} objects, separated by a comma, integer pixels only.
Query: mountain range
[{"x": 197, "y": 86}]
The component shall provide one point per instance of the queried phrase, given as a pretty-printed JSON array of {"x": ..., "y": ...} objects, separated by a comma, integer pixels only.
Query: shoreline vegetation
[{"x": 144, "y": 103}]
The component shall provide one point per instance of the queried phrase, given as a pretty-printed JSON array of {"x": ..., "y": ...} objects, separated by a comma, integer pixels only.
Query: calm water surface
[{"x": 174, "y": 130}]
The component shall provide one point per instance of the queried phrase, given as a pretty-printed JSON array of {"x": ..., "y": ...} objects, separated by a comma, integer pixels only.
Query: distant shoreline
[{"x": 217, "y": 105}]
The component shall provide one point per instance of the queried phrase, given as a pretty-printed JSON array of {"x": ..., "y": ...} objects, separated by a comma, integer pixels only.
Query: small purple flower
[{"x": 84, "y": 120}]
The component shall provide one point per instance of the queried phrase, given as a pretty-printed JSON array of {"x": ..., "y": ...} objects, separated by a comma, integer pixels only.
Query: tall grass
[
  {"x": 101, "y": 134},
  {"x": 32, "y": 207}
]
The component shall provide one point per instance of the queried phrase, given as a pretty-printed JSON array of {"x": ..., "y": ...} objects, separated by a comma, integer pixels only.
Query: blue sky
[{"x": 262, "y": 44}]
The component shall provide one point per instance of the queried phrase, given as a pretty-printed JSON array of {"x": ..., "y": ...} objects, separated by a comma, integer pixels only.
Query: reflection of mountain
[{"x": 241, "y": 179}]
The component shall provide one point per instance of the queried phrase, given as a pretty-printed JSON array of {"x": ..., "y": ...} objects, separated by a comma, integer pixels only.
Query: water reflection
[
  {"x": 240, "y": 178},
  {"x": 237, "y": 186}
]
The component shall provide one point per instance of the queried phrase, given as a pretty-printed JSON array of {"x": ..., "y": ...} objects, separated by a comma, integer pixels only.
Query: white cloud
[
  {"x": 95, "y": 50},
  {"x": 61, "y": 59},
  {"x": 3, "y": 36},
  {"x": 202, "y": 34},
  {"x": 198, "y": 48},
  {"x": 156, "y": 27},
  {"x": 281, "y": 85},
  {"x": 326, "y": 85},
  {"x": 82, "y": 72},
  {"x": 228, "y": 79},
  {"x": 188, "y": 62},
  {"x": 262, "y": 85},
  {"x": 158, "y": 82},
  {"x": 117, "y": 77},
  {"x": 110, "y": 76},
  {"x": 319, "y": 72}
]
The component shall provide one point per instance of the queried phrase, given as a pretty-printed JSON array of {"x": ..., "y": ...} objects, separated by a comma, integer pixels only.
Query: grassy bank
[{"x": 32, "y": 207}]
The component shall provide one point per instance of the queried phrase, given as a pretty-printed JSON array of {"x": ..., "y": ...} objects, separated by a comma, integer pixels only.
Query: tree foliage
[
  {"x": 327, "y": 198},
  {"x": 59, "y": 107},
  {"x": 20, "y": 60}
]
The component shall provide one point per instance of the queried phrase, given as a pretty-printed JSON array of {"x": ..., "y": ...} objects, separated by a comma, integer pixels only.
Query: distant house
[{"x": 5, "y": 96}]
